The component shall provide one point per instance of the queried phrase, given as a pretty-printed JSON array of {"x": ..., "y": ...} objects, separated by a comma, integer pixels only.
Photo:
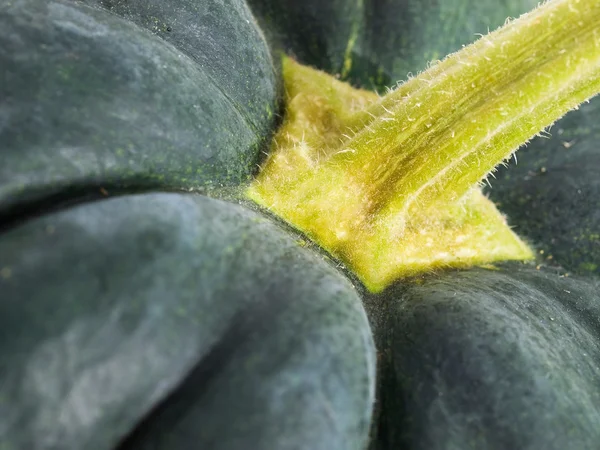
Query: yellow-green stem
[{"x": 389, "y": 184}]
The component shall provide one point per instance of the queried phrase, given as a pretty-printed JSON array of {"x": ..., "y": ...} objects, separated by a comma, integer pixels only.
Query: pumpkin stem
[{"x": 390, "y": 185}]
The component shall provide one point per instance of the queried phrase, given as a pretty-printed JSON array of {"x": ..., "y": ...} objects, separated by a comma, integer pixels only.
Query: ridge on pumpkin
[{"x": 390, "y": 185}]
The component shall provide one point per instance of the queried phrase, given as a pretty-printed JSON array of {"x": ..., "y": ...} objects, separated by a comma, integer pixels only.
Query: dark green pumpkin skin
[
  {"x": 94, "y": 103},
  {"x": 222, "y": 38},
  {"x": 488, "y": 359},
  {"x": 199, "y": 322},
  {"x": 173, "y": 321},
  {"x": 314, "y": 32}
]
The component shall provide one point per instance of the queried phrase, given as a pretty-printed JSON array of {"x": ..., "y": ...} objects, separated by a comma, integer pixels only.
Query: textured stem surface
[{"x": 389, "y": 185}]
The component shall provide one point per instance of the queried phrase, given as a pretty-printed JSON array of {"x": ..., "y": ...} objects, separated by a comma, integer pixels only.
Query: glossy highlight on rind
[{"x": 391, "y": 188}]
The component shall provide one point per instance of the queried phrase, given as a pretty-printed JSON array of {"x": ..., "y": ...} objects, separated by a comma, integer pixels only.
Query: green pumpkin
[{"x": 146, "y": 303}]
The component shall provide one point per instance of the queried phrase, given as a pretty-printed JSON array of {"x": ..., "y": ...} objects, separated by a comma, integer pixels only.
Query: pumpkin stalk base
[{"x": 390, "y": 185}]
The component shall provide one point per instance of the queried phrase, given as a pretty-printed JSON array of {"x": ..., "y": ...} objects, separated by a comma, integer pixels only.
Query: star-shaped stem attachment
[{"x": 390, "y": 185}]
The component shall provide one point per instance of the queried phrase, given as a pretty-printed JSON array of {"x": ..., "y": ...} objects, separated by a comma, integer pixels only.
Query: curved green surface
[
  {"x": 168, "y": 321},
  {"x": 197, "y": 321},
  {"x": 93, "y": 103},
  {"x": 488, "y": 359},
  {"x": 223, "y": 39}
]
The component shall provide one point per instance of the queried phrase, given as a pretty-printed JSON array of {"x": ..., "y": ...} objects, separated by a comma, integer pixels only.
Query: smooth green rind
[
  {"x": 401, "y": 177},
  {"x": 222, "y": 38},
  {"x": 95, "y": 103},
  {"x": 200, "y": 317},
  {"x": 319, "y": 33},
  {"x": 488, "y": 359}
]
